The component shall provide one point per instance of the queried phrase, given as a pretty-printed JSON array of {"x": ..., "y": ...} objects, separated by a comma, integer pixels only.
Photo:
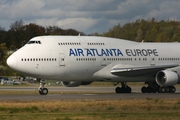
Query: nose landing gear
[{"x": 42, "y": 89}]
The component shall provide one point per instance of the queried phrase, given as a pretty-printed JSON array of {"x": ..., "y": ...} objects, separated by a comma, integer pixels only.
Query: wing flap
[{"x": 141, "y": 70}]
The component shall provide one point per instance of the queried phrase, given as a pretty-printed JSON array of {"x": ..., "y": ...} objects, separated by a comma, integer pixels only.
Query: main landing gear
[
  {"x": 153, "y": 87},
  {"x": 123, "y": 89},
  {"x": 42, "y": 89}
]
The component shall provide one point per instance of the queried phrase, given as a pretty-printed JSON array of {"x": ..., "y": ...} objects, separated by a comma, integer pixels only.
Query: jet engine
[
  {"x": 166, "y": 78},
  {"x": 74, "y": 83}
]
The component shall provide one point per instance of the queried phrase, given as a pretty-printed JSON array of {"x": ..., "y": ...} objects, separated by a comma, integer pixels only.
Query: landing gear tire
[
  {"x": 148, "y": 90},
  {"x": 118, "y": 90},
  {"x": 40, "y": 91},
  {"x": 161, "y": 90},
  {"x": 172, "y": 89},
  {"x": 43, "y": 91},
  {"x": 129, "y": 90},
  {"x": 143, "y": 90}
]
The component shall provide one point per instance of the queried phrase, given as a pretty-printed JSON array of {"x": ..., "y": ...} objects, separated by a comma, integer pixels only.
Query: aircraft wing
[{"x": 141, "y": 70}]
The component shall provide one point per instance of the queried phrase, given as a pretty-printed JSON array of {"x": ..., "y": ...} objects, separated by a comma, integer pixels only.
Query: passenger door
[{"x": 61, "y": 59}]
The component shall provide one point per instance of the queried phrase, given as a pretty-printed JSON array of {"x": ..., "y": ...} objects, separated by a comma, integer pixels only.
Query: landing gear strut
[
  {"x": 42, "y": 89},
  {"x": 124, "y": 89}
]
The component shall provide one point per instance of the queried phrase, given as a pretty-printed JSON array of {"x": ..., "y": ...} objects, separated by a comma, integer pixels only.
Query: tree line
[
  {"x": 147, "y": 30},
  {"x": 19, "y": 34}
]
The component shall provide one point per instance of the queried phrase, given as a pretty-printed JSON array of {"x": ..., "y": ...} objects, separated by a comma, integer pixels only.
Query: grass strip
[{"x": 136, "y": 109}]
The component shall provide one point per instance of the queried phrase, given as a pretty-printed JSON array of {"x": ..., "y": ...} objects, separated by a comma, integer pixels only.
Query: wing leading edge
[{"x": 142, "y": 70}]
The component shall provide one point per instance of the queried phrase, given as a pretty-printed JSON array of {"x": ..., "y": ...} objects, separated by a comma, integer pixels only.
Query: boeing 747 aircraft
[{"x": 81, "y": 60}]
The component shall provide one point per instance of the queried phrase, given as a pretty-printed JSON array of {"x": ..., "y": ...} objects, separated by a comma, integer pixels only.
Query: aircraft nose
[{"x": 12, "y": 61}]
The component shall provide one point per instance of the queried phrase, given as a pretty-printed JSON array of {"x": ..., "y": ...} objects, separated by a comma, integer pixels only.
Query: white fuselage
[{"x": 79, "y": 58}]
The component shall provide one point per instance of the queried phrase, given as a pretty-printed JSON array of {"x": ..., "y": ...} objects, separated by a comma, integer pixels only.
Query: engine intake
[{"x": 166, "y": 78}]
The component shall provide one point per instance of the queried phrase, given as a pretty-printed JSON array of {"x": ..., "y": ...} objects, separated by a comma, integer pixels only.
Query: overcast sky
[{"x": 87, "y": 16}]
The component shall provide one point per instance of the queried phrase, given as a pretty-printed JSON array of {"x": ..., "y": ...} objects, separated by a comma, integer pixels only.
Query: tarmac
[{"x": 81, "y": 93}]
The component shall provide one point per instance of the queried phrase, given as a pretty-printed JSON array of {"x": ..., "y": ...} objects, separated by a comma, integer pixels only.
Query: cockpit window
[{"x": 34, "y": 42}]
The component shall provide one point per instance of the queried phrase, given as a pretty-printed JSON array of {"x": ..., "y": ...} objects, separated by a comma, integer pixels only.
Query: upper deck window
[{"x": 34, "y": 42}]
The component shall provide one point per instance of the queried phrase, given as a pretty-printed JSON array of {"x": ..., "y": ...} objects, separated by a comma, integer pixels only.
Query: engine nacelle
[
  {"x": 74, "y": 83},
  {"x": 166, "y": 78}
]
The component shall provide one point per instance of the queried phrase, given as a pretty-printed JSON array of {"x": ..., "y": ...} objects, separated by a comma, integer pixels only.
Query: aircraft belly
[{"x": 83, "y": 73}]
